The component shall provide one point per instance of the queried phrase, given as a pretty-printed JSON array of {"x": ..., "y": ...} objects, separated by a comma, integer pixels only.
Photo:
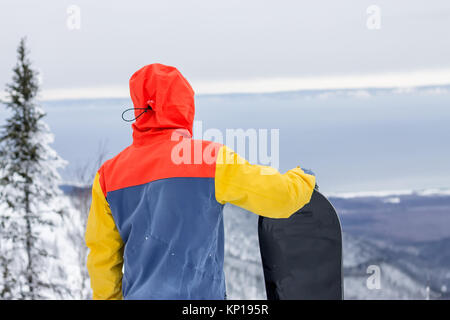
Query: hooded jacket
[{"x": 155, "y": 227}]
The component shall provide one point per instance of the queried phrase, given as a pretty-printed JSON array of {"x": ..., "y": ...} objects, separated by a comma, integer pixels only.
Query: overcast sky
[{"x": 227, "y": 46}]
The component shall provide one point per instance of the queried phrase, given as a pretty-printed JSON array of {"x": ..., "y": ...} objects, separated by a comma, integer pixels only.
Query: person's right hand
[{"x": 308, "y": 171}]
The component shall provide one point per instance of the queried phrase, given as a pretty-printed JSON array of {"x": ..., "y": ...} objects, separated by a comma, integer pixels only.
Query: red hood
[{"x": 169, "y": 94}]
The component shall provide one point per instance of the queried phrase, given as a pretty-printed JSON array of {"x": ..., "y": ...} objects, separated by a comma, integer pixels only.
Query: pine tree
[{"x": 29, "y": 190}]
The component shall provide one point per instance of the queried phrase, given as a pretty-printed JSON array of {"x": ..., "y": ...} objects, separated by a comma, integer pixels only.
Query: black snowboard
[{"x": 302, "y": 255}]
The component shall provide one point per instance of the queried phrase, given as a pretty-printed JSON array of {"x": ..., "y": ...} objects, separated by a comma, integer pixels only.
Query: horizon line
[{"x": 386, "y": 80}]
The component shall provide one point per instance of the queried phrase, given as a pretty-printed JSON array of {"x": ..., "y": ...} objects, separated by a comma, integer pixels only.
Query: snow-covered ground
[
  {"x": 243, "y": 268},
  {"x": 65, "y": 265},
  {"x": 245, "y": 279},
  {"x": 412, "y": 265}
]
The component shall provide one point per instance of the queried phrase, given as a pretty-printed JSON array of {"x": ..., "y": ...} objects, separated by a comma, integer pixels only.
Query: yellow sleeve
[
  {"x": 261, "y": 189},
  {"x": 105, "y": 259}
]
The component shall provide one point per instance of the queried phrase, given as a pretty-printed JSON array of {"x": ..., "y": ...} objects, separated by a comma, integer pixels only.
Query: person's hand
[{"x": 309, "y": 171}]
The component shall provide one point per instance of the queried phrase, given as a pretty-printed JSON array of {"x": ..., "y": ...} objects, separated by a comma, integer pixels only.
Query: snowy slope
[
  {"x": 243, "y": 268},
  {"x": 407, "y": 266}
]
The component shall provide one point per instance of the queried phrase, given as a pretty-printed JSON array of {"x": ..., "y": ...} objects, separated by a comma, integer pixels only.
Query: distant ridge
[
  {"x": 400, "y": 81},
  {"x": 389, "y": 193}
]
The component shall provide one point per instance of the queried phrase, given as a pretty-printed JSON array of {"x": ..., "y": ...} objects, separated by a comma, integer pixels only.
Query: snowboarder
[{"x": 155, "y": 226}]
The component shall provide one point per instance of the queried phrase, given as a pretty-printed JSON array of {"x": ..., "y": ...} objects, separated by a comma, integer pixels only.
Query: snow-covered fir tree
[{"x": 30, "y": 203}]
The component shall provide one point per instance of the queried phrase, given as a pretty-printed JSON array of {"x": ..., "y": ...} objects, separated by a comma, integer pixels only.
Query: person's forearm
[{"x": 261, "y": 189}]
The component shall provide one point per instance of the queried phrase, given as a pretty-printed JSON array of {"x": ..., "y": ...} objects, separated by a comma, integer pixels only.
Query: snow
[
  {"x": 57, "y": 240},
  {"x": 389, "y": 193},
  {"x": 393, "y": 200},
  {"x": 243, "y": 269},
  {"x": 399, "y": 280}
]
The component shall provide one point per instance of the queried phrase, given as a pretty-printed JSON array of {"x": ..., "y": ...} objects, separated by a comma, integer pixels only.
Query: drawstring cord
[{"x": 130, "y": 120}]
